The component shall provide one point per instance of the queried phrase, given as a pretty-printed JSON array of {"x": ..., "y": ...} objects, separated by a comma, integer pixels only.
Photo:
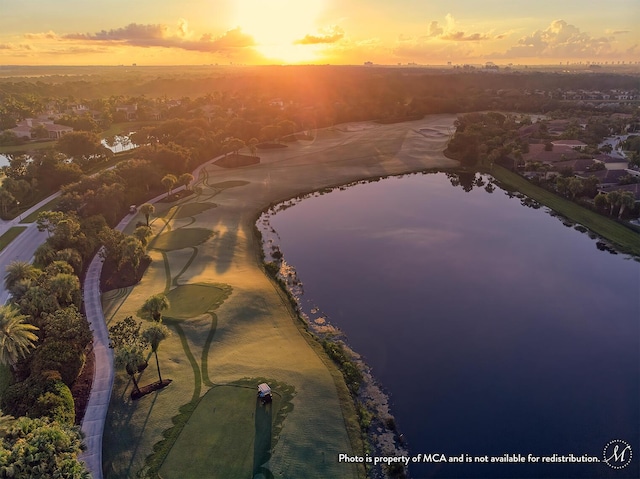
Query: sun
[{"x": 277, "y": 24}]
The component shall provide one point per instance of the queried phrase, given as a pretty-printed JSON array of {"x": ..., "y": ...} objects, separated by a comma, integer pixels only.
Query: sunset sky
[{"x": 170, "y": 32}]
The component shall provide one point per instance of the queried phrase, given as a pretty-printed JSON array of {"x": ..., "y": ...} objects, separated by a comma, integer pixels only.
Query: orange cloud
[
  {"x": 157, "y": 35},
  {"x": 334, "y": 35}
]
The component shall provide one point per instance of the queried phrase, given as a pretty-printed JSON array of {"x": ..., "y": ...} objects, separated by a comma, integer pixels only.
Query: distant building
[{"x": 26, "y": 129}]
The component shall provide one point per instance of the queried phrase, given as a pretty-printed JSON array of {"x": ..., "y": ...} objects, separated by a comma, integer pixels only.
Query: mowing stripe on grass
[
  {"x": 204, "y": 360},
  {"x": 197, "y": 378}
]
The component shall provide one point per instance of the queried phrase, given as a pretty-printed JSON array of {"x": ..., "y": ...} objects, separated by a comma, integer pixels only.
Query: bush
[
  {"x": 63, "y": 357},
  {"x": 40, "y": 395}
]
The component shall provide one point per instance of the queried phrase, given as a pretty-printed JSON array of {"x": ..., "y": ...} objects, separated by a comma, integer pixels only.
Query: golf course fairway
[{"x": 232, "y": 327}]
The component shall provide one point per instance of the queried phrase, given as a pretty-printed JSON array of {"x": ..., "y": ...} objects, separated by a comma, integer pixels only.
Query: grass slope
[
  {"x": 605, "y": 227},
  {"x": 9, "y": 235}
]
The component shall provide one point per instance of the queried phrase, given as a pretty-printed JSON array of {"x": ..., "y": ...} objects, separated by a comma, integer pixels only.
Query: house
[
  {"x": 130, "y": 111},
  {"x": 538, "y": 152},
  {"x": 569, "y": 143},
  {"x": 25, "y": 128}
]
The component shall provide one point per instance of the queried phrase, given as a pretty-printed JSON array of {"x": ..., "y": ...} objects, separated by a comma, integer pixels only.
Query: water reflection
[{"x": 495, "y": 329}]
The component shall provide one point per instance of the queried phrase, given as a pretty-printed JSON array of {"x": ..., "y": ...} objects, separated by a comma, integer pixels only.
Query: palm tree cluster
[{"x": 130, "y": 341}]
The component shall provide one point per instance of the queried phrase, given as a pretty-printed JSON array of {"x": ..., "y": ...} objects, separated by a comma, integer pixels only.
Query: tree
[
  {"x": 130, "y": 358},
  {"x": 154, "y": 335},
  {"x": 185, "y": 179},
  {"x": 143, "y": 233},
  {"x": 613, "y": 197},
  {"x": 131, "y": 251},
  {"x": 65, "y": 288},
  {"x": 252, "y": 144},
  {"x": 128, "y": 344},
  {"x": 39, "y": 447},
  {"x": 600, "y": 201},
  {"x": 48, "y": 220},
  {"x": 82, "y": 146},
  {"x": 234, "y": 144},
  {"x": 17, "y": 336},
  {"x": 155, "y": 305},
  {"x": 6, "y": 200},
  {"x": 626, "y": 200},
  {"x": 168, "y": 181},
  {"x": 575, "y": 186},
  {"x": 147, "y": 210},
  {"x": 17, "y": 271}
]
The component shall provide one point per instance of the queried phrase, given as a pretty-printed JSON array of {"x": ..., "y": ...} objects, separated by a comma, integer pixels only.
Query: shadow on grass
[{"x": 262, "y": 440}]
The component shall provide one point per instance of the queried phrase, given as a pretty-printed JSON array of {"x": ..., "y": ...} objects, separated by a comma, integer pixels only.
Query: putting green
[
  {"x": 192, "y": 209},
  {"x": 230, "y": 434},
  {"x": 181, "y": 238},
  {"x": 190, "y": 300}
]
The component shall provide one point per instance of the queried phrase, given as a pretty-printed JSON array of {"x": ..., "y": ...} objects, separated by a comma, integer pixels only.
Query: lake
[{"x": 495, "y": 328}]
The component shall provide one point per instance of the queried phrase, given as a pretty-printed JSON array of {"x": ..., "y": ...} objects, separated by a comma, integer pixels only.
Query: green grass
[
  {"x": 27, "y": 147},
  {"x": 192, "y": 209},
  {"x": 625, "y": 238},
  {"x": 229, "y": 434},
  {"x": 10, "y": 235},
  {"x": 182, "y": 238},
  {"x": 230, "y": 184},
  {"x": 190, "y": 300},
  {"x": 51, "y": 205}
]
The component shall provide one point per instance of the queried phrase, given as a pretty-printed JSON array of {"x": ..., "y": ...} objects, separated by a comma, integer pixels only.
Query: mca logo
[{"x": 617, "y": 454}]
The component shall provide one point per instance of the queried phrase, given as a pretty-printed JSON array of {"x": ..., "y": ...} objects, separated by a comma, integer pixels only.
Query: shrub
[{"x": 64, "y": 357}]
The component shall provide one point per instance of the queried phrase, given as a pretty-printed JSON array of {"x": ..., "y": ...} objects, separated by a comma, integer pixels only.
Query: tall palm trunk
[{"x": 158, "y": 366}]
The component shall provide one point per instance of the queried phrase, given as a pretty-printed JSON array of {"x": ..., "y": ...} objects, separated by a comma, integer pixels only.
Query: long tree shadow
[{"x": 262, "y": 440}]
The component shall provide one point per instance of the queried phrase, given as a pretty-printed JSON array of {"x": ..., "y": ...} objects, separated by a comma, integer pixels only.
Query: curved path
[{"x": 98, "y": 405}]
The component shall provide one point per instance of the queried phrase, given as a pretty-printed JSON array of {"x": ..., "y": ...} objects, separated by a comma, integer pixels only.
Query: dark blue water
[{"x": 495, "y": 328}]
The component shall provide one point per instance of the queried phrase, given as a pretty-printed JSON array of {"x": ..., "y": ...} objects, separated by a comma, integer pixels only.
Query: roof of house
[
  {"x": 609, "y": 176},
  {"x": 633, "y": 188},
  {"x": 571, "y": 143},
  {"x": 537, "y": 152}
]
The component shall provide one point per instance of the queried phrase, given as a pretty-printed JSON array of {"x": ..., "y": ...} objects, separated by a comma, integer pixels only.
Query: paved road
[{"x": 23, "y": 246}]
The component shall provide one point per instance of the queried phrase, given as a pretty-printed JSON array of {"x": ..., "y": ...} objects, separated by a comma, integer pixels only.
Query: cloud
[
  {"x": 331, "y": 36},
  {"x": 50, "y": 35},
  {"x": 560, "y": 40},
  {"x": 449, "y": 32},
  {"x": 157, "y": 35}
]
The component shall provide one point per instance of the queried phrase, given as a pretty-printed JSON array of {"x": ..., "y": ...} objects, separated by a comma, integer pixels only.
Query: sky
[{"x": 254, "y": 32}]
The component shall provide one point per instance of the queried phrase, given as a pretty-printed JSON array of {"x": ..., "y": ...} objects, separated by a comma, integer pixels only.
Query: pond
[{"x": 495, "y": 328}]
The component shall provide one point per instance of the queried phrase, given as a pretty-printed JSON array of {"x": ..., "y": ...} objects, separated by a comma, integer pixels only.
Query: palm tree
[
  {"x": 155, "y": 334},
  {"x": 168, "y": 181},
  {"x": 626, "y": 200},
  {"x": 18, "y": 270},
  {"x": 16, "y": 335},
  {"x": 147, "y": 210},
  {"x": 130, "y": 357},
  {"x": 155, "y": 304},
  {"x": 185, "y": 179},
  {"x": 613, "y": 197}
]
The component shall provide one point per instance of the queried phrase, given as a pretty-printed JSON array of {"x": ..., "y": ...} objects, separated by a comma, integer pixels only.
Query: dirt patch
[
  {"x": 81, "y": 387},
  {"x": 237, "y": 161}
]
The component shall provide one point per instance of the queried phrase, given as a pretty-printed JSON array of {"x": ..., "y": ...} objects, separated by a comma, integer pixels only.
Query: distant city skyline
[{"x": 255, "y": 32}]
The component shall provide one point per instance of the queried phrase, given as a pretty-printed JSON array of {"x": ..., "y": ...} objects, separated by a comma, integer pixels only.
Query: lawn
[
  {"x": 218, "y": 342},
  {"x": 227, "y": 323},
  {"x": 229, "y": 434},
  {"x": 182, "y": 238},
  {"x": 51, "y": 205},
  {"x": 10, "y": 235}
]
